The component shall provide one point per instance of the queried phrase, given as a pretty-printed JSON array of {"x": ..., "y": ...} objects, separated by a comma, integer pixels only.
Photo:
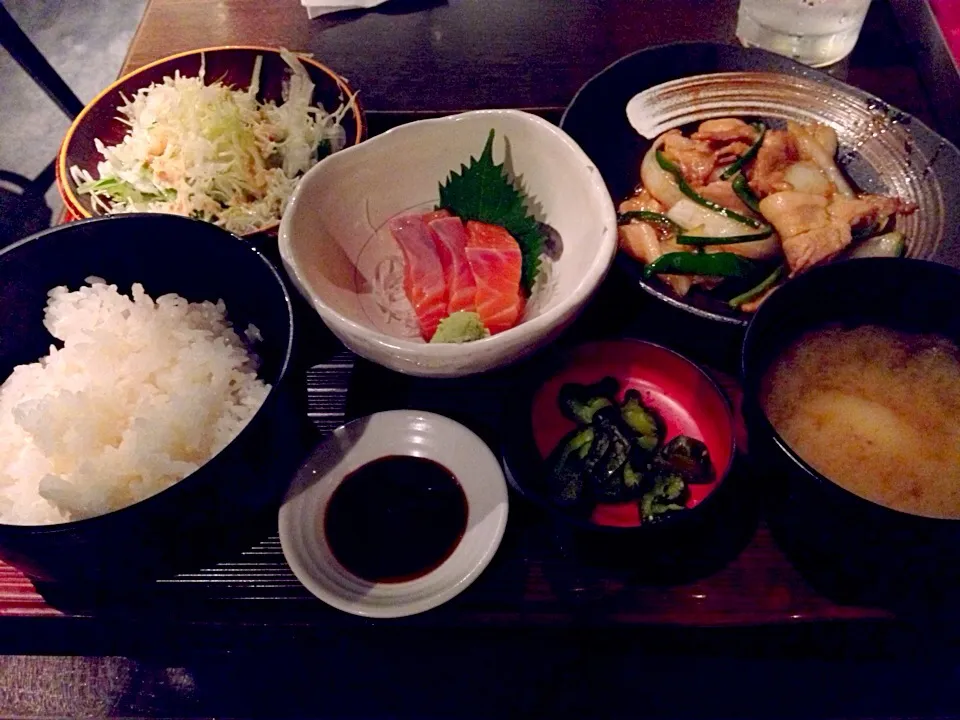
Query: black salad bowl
[
  {"x": 850, "y": 547},
  {"x": 186, "y": 523}
]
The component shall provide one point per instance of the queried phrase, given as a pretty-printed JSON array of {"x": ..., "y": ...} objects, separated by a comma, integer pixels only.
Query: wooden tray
[{"x": 541, "y": 576}]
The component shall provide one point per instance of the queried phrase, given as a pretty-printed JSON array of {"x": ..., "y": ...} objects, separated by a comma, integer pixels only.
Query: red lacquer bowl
[
  {"x": 684, "y": 396},
  {"x": 232, "y": 65}
]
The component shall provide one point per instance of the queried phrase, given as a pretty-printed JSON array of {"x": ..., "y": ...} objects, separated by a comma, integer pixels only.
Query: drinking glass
[{"x": 814, "y": 32}]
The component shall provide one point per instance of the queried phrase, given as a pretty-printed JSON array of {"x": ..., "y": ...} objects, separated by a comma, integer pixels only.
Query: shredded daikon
[{"x": 214, "y": 152}]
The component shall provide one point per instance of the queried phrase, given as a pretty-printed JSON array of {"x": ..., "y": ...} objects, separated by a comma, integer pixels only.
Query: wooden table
[
  {"x": 212, "y": 642},
  {"x": 430, "y": 56}
]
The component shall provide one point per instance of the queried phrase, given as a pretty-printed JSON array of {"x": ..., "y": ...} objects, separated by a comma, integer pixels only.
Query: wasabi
[{"x": 459, "y": 327}]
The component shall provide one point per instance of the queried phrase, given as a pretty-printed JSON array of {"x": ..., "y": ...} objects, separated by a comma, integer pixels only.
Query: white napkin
[{"x": 316, "y": 8}]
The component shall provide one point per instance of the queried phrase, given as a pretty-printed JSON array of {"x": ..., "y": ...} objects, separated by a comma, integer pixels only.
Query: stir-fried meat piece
[
  {"x": 721, "y": 191},
  {"x": 813, "y": 247},
  {"x": 681, "y": 284},
  {"x": 792, "y": 213},
  {"x": 729, "y": 138},
  {"x": 814, "y": 229},
  {"x": 694, "y": 158},
  {"x": 642, "y": 201},
  {"x": 866, "y": 210},
  {"x": 808, "y": 233},
  {"x": 724, "y": 131},
  {"x": 777, "y": 152},
  {"x": 640, "y": 241},
  {"x": 728, "y": 153}
]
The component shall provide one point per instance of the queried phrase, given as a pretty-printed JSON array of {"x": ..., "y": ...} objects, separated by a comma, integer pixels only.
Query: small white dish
[
  {"x": 339, "y": 253},
  {"x": 395, "y": 432}
]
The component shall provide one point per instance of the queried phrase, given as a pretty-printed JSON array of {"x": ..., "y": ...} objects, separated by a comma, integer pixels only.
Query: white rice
[{"x": 141, "y": 394}]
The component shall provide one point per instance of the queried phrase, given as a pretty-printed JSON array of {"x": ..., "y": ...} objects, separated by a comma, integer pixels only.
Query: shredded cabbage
[{"x": 213, "y": 152}]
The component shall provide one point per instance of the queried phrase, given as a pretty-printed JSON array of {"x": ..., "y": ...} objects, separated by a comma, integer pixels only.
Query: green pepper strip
[
  {"x": 699, "y": 199},
  {"x": 863, "y": 233},
  {"x": 751, "y": 152},
  {"x": 648, "y": 216},
  {"x": 755, "y": 292},
  {"x": 732, "y": 240},
  {"x": 745, "y": 193},
  {"x": 874, "y": 228},
  {"x": 721, "y": 264}
]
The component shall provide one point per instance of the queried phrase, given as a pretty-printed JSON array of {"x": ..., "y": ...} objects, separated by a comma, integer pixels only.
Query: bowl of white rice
[{"x": 144, "y": 417}]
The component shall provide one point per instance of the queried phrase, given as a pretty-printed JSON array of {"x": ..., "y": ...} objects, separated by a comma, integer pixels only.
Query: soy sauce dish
[
  {"x": 394, "y": 514},
  {"x": 623, "y": 437}
]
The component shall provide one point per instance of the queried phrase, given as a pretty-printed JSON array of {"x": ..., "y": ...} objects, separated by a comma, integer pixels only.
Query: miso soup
[{"x": 875, "y": 410}]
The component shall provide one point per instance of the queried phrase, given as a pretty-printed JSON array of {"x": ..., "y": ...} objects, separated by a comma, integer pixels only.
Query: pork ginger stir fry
[{"x": 735, "y": 209}]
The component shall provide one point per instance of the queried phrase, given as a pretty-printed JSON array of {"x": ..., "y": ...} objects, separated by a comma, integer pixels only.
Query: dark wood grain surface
[
  {"x": 432, "y": 55},
  {"x": 542, "y": 575},
  {"x": 541, "y": 632}
]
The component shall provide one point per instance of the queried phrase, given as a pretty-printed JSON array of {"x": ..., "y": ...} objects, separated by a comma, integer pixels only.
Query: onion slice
[
  {"x": 699, "y": 220},
  {"x": 657, "y": 181},
  {"x": 812, "y": 149}
]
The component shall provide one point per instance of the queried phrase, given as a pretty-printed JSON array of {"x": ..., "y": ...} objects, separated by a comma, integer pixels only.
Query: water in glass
[{"x": 814, "y": 32}]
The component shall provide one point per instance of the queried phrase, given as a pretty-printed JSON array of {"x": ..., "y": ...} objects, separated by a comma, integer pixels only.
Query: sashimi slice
[
  {"x": 435, "y": 215},
  {"x": 451, "y": 247},
  {"x": 423, "y": 280},
  {"x": 495, "y": 259}
]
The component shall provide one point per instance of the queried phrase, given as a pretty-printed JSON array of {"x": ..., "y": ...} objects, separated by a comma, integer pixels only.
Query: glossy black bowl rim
[
  {"x": 140, "y": 506},
  {"x": 630, "y": 266},
  {"x": 515, "y": 447},
  {"x": 753, "y": 376}
]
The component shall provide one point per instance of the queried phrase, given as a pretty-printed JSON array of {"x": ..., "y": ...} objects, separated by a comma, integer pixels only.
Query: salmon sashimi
[
  {"x": 451, "y": 237},
  {"x": 496, "y": 262},
  {"x": 423, "y": 280},
  {"x": 435, "y": 215}
]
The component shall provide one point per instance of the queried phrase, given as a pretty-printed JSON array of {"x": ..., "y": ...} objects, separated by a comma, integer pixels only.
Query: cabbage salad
[{"x": 213, "y": 152}]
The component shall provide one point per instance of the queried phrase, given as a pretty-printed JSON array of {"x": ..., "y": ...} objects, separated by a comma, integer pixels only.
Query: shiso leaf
[{"x": 482, "y": 191}]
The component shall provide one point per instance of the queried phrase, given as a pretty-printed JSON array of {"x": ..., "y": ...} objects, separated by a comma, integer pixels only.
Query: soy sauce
[{"x": 396, "y": 518}]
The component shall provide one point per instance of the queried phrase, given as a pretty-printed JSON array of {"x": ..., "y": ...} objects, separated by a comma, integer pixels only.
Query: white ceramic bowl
[
  {"x": 339, "y": 253},
  {"x": 395, "y": 432}
]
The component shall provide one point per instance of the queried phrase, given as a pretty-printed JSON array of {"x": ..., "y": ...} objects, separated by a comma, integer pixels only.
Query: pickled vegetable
[
  {"x": 606, "y": 476},
  {"x": 666, "y": 496},
  {"x": 567, "y": 467},
  {"x": 580, "y": 402},
  {"x": 642, "y": 421},
  {"x": 616, "y": 454},
  {"x": 688, "y": 457}
]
